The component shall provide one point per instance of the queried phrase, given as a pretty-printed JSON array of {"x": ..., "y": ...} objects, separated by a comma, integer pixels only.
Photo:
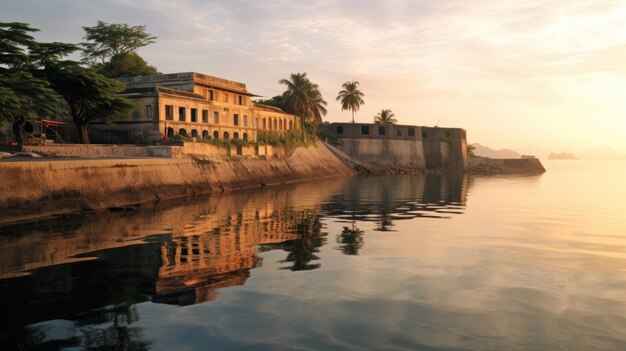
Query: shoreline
[{"x": 40, "y": 188}]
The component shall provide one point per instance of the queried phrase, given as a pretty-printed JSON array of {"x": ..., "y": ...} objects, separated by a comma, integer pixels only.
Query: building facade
[
  {"x": 403, "y": 146},
  {"x": 191, "y": 105}
]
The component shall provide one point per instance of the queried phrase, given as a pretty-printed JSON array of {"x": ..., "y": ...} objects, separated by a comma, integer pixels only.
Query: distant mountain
[
  {"x": 562, "y": 156},
  {"x": 484, "y": 151},
  {"x": 602, "y": 153}
]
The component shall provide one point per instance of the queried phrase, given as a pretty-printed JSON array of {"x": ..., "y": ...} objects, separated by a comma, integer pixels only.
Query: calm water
[{"x": 438, "y": 262}]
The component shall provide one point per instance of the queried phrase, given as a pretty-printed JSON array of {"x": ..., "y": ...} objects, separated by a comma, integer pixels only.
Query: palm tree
[
  {"x": 303, "y": 98},
  {"x": 351, "y": 97},
  {"x": 385, "y": 116}
]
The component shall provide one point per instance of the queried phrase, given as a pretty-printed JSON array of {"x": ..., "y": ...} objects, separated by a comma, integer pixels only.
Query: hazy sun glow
[{"x": 545, "y": 74}]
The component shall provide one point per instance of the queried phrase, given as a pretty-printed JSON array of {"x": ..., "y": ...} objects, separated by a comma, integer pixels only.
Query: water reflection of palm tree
[
  {"x": 385, "y": 223},
  {"x": 120, "y": 335},
  {"x": 302, "y": 251},
  {"x": 351, "y": 240}
]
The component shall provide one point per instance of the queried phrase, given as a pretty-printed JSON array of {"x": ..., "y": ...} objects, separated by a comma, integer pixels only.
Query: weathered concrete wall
[
  {"x": 403, "y": 146},
  {"x": 167, "y": 151},
  {"x": 385, "y": 153},
  {"x": 99, "y": 150},
  {"x": 38, "y": 188}
]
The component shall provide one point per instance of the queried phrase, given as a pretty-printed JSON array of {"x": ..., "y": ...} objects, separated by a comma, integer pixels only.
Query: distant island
[{"x": 562, "y": 156}]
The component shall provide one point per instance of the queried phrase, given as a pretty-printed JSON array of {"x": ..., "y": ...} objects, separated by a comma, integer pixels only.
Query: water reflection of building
[
  {"x": 214, "y": 252},
  {"x": 182, "y": 251},
  {"x": 389, "y": 198}
]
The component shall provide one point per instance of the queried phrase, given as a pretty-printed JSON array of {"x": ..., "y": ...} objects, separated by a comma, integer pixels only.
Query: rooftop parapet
[{"x": 183, "y": 77}]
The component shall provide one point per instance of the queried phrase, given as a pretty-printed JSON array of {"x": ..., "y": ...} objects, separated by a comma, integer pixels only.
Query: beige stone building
[{"x": 193, "y": 105}]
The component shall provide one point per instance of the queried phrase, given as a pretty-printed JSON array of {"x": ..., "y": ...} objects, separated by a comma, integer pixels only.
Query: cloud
[{"x": 466, "y": 61}]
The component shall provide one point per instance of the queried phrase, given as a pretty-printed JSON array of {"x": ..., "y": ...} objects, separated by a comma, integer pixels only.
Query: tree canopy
[
  {"x": 111, "y": 48},
  {"x": 385, "y": 116},
  {"x": 90, "y": 96},
  {"x": 23, "y": 95},
  {"x": 303, "y": 98},
  {"x": 276, "y": 101},
  {"x": 351, "y": 97}
]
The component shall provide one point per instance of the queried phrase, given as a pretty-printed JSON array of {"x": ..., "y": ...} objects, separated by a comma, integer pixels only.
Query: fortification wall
[
  {"x": 31, "y": 189},
  {"x": 385, "y": 153},
  {"x": 403, "y": 146}
]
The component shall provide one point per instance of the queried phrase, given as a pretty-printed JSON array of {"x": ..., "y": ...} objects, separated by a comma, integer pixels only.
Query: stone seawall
[
  {"x": 32, "y": 189},
  {"x": 491, "y": 166}
]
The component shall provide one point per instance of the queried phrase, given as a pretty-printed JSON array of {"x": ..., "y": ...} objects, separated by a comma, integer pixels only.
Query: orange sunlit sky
[{"x": 544, "y": 74}]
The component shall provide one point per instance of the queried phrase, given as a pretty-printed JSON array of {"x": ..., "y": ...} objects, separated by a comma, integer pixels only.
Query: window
[
  {"x": 256, "y": 123},
  {"x": 216, "y": 134},
  {"x": 399, "y": 132},
  {"x": 181, "y": 113},
  {"x": 194, "y": 115},
  {"x": 148, "y": 109},
  {"x": 264, "y": 123},
  {"x": 205, "y": 116},
  {"x": 275, "y": 124},
  {"x": 411, "y": 132},
  {"x": 424, "y": 134},
  {"x": 236, "y": 119},
  {"x": 365, "y": 130},
  {"x": 136, "y": 115},
  {"x": 210, "y": 95},
  {"x": 235, "y": 135},
  {"x": 245, "y": 121},
  {"x": 216, "y": 117},
  {"x": 169, "y": 112},
  {"x": 381, "y": 130},
  {"x": 225, "y": 97},
  {"x": 240, "y": 100},
  {"x": 340, "y": 130}
]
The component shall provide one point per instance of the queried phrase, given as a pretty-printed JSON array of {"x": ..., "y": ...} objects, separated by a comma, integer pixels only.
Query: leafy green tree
[
  {"x": 351, "y": 97},
  {"x": 23, "y": 96},
  {"x": 385, "y": 116},
  {"x": 276, "y": 101},
  {"x": 90, "y": 96},
  {"x": 303, "y": 99},
  {"x": 128, "y": 65},
  {"x": 111, "y": 48}
]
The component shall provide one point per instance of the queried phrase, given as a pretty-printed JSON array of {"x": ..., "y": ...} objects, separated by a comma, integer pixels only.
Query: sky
[{"x": 527, "y": 75}]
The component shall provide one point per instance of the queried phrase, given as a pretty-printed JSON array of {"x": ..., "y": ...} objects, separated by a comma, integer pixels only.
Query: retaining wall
[{"x": 31, "y": 189}]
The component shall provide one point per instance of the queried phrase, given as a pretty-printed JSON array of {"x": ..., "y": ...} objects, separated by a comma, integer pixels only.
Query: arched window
[
  {"x": 275, "y": 124},
  {"x": 205, "y": 135},
  {"x": 280, "y": 124},
  {"x": 182, "y": 132},
  {"x": 194, "y": 133},
  {"x": 216, "y": 135},
  {"x": 290, "y": 125},
  {"x": 170, "y": 132},
  {"x": 245, "y": 136},
  {"x": 235, "y": 135},
  {"x": 226, "y": 136}
]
